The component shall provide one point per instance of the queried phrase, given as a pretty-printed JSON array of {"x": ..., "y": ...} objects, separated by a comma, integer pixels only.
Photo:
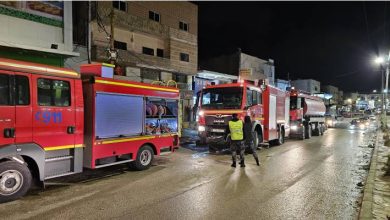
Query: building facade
[
  {"x": 155, "y": 41},
  {"x": 308, "y": 85},
  {"x": 37, "y": 31},
  {"x": 283, "y": 84},
  {"x": 243, "y": 66},
  {"x": 334, "y": 91}
]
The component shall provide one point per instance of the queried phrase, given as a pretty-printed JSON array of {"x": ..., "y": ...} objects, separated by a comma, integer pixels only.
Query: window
[
  {"x": 120, "y": 45},
  {"x": 184, "y": 57},
  {"x": 249, "y": 100},
  {"x": 154, "y": 16},
  {"x": 160, "y": 52},
  {"x": 219, "y": 98},
  {"x": 179, "y": 78},
  {"x": 150, "y": 74},
  {"x": 120, "y": 5},
  {"x": 295, "y": 102},
  {"x": 148, "y": 51},
  {"x": 4, "y": 90},
  {"x": 22, "y": 90},
  {"x": 183, "y": 26},
  {"x": 53, "y": 92}
]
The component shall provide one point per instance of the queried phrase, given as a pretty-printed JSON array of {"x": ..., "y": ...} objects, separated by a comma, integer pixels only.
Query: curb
[{"x": 366, "y": 208}]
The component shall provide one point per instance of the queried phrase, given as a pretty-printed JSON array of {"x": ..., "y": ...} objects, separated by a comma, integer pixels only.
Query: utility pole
[
  {"x": 89, "y": 32},
  {"x": 386, "y": 89},
  {"x": 112, "y": 52}
]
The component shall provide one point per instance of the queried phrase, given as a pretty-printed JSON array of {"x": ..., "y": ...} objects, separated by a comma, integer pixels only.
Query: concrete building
[
  {"x": 37, "y": 31},
  {"x": 156, "y": 41},
  {"x": 243, "y": 66},
  {"x": 282, "y": 84},
  {"x": 350, "y": 97},
  {"x": 334, "y": 91},
  {"x": 309, "y": 85},
  {"x": 341, "y": 97}
]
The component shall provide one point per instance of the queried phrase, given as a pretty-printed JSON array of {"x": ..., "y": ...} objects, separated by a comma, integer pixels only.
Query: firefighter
[
  {"x": 249, "y": 137},
  {"x": 237, "y": 136}
]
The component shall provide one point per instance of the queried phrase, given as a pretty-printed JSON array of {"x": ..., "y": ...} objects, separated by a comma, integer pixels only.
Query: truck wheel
[
  {"x": 144, "y": 158},
  {"x": 303, "y": 133},
  {"x": 316, "y": 131},
  {"x": 212, "y": 148},
  {"x": 280, "y": 140},
  {"x": 308, "y": 132},
  {"x": 258, "y": 139},
  {"x": 322, "y": 129},
  {"x": 15, "y": 180}
]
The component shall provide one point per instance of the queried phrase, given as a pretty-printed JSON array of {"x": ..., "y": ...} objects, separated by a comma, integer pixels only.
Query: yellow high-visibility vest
[{"x": 236, "y": 130}]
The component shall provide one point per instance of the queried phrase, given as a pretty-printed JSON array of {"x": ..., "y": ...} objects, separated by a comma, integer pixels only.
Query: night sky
[{"x": 333, "y": 42}]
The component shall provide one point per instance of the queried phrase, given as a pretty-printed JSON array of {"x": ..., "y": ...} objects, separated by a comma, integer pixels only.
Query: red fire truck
[
  {"x": 307, "y": 115},
  {"x": 267, "y": 106},
  {"x": 55, "y": 121}
]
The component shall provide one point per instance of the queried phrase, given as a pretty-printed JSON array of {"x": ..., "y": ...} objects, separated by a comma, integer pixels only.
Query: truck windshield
[
  {"x": 295, "y": 102},
  {"x": 222, "y": 98}
]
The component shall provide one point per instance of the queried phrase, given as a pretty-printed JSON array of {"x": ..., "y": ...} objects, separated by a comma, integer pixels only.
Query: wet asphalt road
[{"x": 311, "y": 179}]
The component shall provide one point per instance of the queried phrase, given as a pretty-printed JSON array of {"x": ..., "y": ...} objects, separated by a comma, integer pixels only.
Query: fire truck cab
[{"x": 267, "y": 106}]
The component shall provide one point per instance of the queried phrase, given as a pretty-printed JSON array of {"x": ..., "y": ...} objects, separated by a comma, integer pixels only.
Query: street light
[
  {"x": 379, "y": 60},
  {"x": 386, "y": 62}
]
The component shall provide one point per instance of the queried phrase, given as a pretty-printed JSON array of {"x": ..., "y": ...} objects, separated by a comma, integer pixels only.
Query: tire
[
  {"x": 308, "y": 132},
  {"x": 322, "y": 129},
  {"x": 303, "y": 133},
  {"x": 316, "y": 131},
  {"x": 15, "y": 180},
  {"x": 144, "y": 158},
  {"x": 258, "y": 139},
  {"x": 280, "y": 140},
  {"x": 212, "y": 148}
]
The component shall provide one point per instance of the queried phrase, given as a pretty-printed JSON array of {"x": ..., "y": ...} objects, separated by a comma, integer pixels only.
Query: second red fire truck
[
  {"x": 55, "y": 122},
  {"x": 267, "y": 106}
]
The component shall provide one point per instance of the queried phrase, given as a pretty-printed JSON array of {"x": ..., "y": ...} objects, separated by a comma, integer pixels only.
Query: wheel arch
[
  {"x": 152, "y": 146},
  {"x": 31, "y": 154},
  {"x": 259, "y": 128}
]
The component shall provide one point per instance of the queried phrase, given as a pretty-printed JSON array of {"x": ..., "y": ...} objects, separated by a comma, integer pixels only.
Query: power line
[
  {"x": 366, "y": 20},
  {"x": 384, "y": 27}
]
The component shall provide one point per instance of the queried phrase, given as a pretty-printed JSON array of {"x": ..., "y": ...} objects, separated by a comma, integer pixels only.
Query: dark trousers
[
  {"x": 237, "y": 146},
  {"x": 252, "y": 146}
]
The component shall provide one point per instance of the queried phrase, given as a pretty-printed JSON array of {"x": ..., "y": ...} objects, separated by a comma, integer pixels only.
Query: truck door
[
  {"x": 53, "y": 112},
  {"x": 7, "y": 108},
  {"x": 23, "y": 110}
]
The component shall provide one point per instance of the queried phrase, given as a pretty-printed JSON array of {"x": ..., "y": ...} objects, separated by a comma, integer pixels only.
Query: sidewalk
[{"x": 376, "y": 199}]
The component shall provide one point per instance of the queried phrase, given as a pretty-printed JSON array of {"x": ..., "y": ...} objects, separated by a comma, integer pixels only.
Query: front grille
[{"x": 217, "y": 120}]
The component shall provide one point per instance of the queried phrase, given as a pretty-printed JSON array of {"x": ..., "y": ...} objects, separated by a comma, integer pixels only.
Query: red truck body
[
  {"x": 55, "y": 121},
  {"x": 267, "y": 108},
  {"x": 307, "y": 115}
]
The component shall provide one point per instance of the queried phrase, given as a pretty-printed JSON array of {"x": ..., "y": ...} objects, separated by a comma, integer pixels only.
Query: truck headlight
[
  {"x": 361, "y": 126},
  {"x": 201, "y": 128},
  {"x": 201, "y": 113},
  {"x": 294, "y": 127},
  {"x": 329, "y": 122}
]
